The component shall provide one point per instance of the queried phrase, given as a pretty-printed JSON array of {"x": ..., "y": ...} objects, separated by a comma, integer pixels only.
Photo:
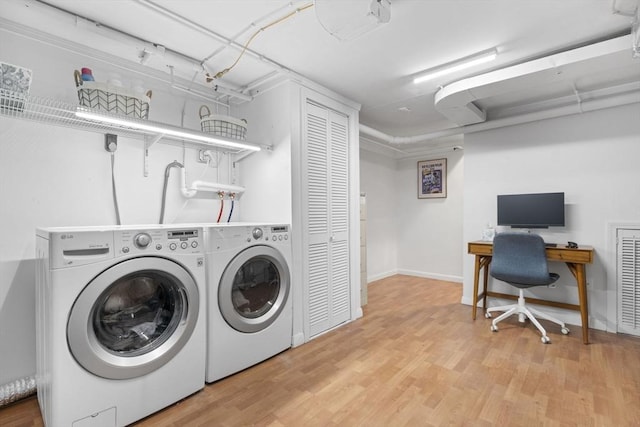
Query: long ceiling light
[
  {"x": 162, "y": 129},
  {"x": 460, "y": 64}
]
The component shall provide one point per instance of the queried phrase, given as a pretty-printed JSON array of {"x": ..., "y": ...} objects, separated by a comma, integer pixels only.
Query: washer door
[
  {"x": 133, "y": 317},
  {"x": 254, "y": 288}
]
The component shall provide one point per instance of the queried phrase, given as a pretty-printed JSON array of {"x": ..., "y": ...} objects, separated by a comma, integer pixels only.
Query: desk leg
[
  {"x": 485, "y": 266},
  {"x": 476, "y": 279},
  {"x": 578, "y": 271}
]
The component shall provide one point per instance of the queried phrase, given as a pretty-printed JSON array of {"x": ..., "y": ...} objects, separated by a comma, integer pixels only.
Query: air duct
[
  {"x": 583, "y": 107},
  {"x": 456, "y": 101}
]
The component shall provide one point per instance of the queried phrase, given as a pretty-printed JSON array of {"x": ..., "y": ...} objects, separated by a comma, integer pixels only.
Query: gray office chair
[{"x": 520, "y": 260}]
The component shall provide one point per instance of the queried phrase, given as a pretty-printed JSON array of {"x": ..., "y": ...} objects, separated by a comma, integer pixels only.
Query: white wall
[
  {"x": 267, "y": 174},
  {"x": 593, "y": 158},
  {"x": 378, "y": 181},
  {"x": 407, "y": 235},
  {"x": 430, "y": 232},
  {"x": 56, "y": 176}
]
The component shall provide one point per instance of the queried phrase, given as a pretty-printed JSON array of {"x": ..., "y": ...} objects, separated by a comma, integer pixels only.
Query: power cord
[
  {"x": 113, "y": 187},
  {"x": 221, "y": 73}
]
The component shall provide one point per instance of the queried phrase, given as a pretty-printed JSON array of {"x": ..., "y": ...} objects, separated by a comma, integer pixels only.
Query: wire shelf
[
  {"x": 49, "y": 111},
  {"x": 60, "y": 113}
]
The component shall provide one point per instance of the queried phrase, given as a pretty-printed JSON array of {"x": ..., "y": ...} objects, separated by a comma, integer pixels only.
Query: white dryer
[
  {"x": 120, "y": 324},
  {"x": 249, "y": 296}
]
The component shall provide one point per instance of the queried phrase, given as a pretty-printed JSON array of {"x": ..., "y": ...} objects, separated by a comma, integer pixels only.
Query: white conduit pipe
[
  {"x": 16, "y": 390},
  {"x": 198, "y": 185},
  {"x": 585, "y": 106},
  {"x": 189, "y": 23},
  {"x": 171, "y": 56}
]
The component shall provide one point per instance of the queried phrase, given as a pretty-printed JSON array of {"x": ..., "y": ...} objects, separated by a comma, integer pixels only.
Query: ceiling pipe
[
  {"x": 366, "y": 130},
  {"x": 256, "y": 25},
  {"x": 385, "y": 146},
  {"x": 583, "y": 107},
  {"x": 122, "y": 64},
  {"x": 172, "y": 57},
  {"x": 195, "y": 26}
]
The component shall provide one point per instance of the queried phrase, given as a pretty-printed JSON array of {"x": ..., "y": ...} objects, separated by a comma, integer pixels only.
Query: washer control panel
[
  {"x": 184, "y": 240},
  {"x": 273, "y": 233}
]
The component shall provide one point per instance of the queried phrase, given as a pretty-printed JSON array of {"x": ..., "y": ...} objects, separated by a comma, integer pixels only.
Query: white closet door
[
  {"x": 326, "y": 147},
  {"x": 628, "y": 254},
  {"x": 339, "y": 238}
]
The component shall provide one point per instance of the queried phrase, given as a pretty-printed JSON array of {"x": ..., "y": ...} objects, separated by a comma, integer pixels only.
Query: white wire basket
[
  {"x": 226, "y": 126},
  {"x": 11, "y": 102},
  {"x": 112, "y": 99},
  {"x": 15, "y": 82}
]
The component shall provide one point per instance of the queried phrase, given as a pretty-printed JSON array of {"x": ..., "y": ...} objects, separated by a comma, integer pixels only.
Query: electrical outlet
[
  {"x": 110, "y": 142},
  {"x": 204, "y": 156}
]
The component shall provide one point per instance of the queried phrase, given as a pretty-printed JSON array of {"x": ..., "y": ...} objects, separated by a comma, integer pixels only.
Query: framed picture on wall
[{"x": 432, "y": 179}]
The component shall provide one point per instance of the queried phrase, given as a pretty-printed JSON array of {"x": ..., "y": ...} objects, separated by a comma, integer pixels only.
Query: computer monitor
[{"x": 537, "y": 210}]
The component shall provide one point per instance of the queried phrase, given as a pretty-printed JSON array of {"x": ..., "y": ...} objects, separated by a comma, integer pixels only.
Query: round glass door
[
  {"x": 254, "y": 288},
  {"x": 133, "y": 318}
]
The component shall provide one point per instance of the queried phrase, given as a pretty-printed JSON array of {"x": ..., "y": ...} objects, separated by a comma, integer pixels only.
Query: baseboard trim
[
  {"x": 427, "y": 275},
  {"x": 381, "y": 276},
  {"x": 297, "y": 340}
]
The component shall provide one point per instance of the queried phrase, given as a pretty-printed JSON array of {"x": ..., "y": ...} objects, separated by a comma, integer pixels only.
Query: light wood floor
[{"x": 417, "y": 359}]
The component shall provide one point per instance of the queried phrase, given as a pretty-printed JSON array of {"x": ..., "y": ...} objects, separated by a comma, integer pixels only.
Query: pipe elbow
[
  {"x": 186, "y": 192},
  {"x": 174, "y": 164}
]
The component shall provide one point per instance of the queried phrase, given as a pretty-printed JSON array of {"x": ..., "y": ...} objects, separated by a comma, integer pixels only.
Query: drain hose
[{"x": 174, "y": 164}]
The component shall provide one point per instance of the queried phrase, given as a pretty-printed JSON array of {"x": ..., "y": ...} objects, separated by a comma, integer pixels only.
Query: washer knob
[
  {"x": 257, "y": 233},
  {"x": 142, "y": 240}
]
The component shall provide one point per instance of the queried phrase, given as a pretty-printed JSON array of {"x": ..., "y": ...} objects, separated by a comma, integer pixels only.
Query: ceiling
[{"x": 376, "y": 70}]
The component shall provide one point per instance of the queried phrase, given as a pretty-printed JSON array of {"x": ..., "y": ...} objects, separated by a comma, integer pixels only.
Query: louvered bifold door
[
  {"x": 339, "y": 193},
  {"x": 628, "y": 255},
  {"x": 327, "y": 266},
  {"x": 316, "y": 131}
]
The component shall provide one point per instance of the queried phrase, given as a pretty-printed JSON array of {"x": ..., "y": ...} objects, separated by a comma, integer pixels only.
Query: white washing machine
[
  {"x": 249, "y": 295},
  {"x": 121, "y": 322}
]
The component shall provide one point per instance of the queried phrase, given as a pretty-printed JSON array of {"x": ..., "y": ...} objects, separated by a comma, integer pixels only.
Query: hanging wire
[
  {"x": 221, "y": 73},
  {"x": 113, "y": 188}
]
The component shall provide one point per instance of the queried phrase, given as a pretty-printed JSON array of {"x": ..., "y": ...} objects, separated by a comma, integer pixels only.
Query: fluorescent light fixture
[
  {"x": 461, "y": 64},
  {"x": 173, "y": 132}
]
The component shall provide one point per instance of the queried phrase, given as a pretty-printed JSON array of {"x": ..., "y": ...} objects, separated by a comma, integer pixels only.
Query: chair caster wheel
[
  {"x": 487, "y": 315},
  {"x": 494, "y": 328},
  {"x": 545, "y": 339},
  {"x": 565, "y": 330}
]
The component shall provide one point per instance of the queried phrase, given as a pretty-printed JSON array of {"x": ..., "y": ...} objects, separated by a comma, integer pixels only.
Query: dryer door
[
  {"x": 254, "y": 288},
  {"x": 133, "y": 317}
]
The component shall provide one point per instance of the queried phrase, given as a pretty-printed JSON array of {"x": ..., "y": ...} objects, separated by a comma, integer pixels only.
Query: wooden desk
[{"x": 576, "y": 259}]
